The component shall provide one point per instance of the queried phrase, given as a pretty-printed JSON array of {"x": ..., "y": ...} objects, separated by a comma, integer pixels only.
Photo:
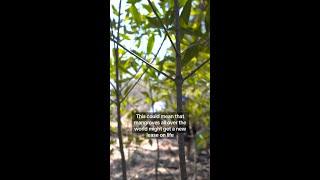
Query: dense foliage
[{"x": 140, "y": 31}]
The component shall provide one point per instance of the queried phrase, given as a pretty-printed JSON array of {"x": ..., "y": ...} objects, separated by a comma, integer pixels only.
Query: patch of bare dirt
[{"x": 141, "y": 160}]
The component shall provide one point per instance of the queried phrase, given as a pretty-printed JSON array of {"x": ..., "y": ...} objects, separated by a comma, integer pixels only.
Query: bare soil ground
[{"x": 141, "y": 161}]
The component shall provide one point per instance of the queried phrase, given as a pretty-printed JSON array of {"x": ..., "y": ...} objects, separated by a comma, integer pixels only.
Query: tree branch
[
  {"x": 113, "y": 86},
  {"x": 134, "y": 75},
  {"x": 112, "y": 101},
  {"x": 179, "y": 82},
  {"x": 112, "y": 34},
  {"x": 132, "y": 88},
  {"x": 196, "y": 69},
  {"x": 141, "y": 59},
  {"x": 165, "y": 29},
  {"x": 155, "y": 57},
  {"x": 196, "y": 44},
  {"x": 118, "y": 94}
]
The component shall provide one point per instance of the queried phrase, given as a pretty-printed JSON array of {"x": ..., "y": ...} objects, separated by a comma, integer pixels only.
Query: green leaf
[
  {"x": 152, "y": 74},
  {"x": 162, "y": 5},
  {"x": 169, "y": 67},
  {"x": 185, "y": 14},
  {"x": 203, "y": 138},
  {"x": 146, "y": 94},
  {"x": 113, "y": 23},
  {"x": 147, "y": 100},
  {"x": 155, "y": 7},
  {"x": 189, "y": 53},
  {"x": 159, "y": 32},
  {"x": 150, "y": 44},
  {"x": 127, "y": 89},
  {"x": 113, "y": 92},
  {"x": 121, "y": 52},
  {"x": 147, "y": 7},
  {"x": 160, "y": 63},
  {"x": 182, "y": 3},
  {"x": 190, "y": 31},
  {"x": 171, "y": 17},
  {"x": 133, "y": 1},
  {"x": 123, "y": 69},
  {"x": 138, "y": 43},
  {"x": 113, "y": 129},
  {"x": 124, "y": 80},
  {"x": 126, "y": 31},
  {"x": 171, "y": 72},
  {"x": 153, "y": 22},
  {"x": 171, "y": 3},
  {"x": 170, "y": 58},
  {"x": 115, "y": 11},
  {"x": 134, "y": 64},
  {"x": 135, "y": 14},
  {"x": 136, "y": 52},
  {"x": 124, "y": 36}
]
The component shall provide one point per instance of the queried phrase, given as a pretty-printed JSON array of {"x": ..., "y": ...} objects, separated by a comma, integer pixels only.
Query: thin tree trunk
[
  {"x": 123, "y": 160},
  {"x": 179, "y": 81}
]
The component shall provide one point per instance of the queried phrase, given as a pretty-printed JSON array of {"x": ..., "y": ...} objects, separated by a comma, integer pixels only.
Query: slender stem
[
  {"x": 197, "y": 43},
  {"x": 131, "y": 88},
  {"x": 165, "y": 29},
  {"x": 196, "y": 69},
  {"x": 118, "y": 103},
  {"x": 113, "y": 86},
  {"x": 155, "y": 57},
  {"x": 143, "y": 60},
  {"x": 133, "y": 77},
  {"x": 112, "y": 101},
  {"x": 179, "y": 81}
]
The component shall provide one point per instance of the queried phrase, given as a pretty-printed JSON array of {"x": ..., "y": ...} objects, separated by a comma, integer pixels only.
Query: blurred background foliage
[{"x": 142, "y": 33}]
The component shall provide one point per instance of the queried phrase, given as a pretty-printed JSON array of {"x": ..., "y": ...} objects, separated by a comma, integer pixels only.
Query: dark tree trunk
[
  {"x": 179, "y": 81},
  {"x": 123, "y": 160},
  {"x": 118, "y": 102}
]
